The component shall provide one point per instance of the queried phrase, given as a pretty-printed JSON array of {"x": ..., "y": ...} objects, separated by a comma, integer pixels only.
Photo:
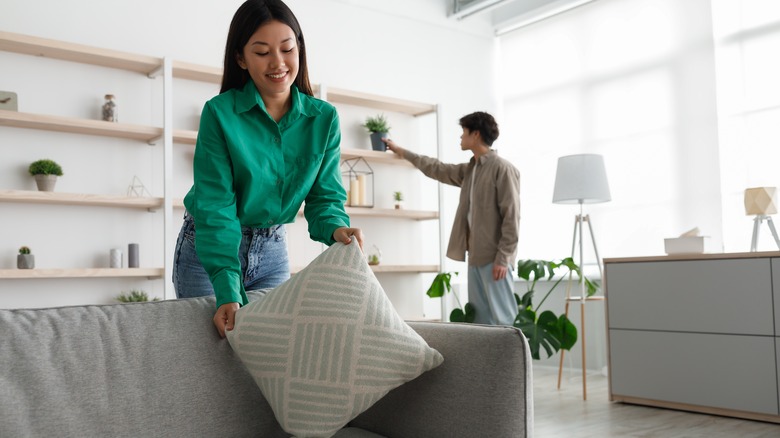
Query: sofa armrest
[{"x": 483, "y": 388}]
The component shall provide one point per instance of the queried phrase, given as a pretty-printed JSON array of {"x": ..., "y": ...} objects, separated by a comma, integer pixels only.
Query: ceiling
[{"x": 507, "y": 15}]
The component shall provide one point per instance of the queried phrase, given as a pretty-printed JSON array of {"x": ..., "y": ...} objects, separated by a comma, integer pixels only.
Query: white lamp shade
[{"x": 581, "y": 179}]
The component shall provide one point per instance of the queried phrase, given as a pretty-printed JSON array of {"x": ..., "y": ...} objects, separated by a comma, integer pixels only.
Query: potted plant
[
  {"x": 543, "y": 330},
  {"x": 546, "y": 329},
  {"x": 440, "y": 286},
  {"x": 374, "y": 255},
  {"x": 45, "y": 173},
  {"x": 398, "y": 197},
  {"x": 378, "y": 127},
  {"x": 134, "y": 296},
  {"x": 25, "y": 259}
]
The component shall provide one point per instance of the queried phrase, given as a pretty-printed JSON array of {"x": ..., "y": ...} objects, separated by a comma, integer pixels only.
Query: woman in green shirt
[{"x": 265, "y": 145}]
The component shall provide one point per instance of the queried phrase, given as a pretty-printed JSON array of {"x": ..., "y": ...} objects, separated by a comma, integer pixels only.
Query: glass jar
[{"x": 109, "y": 109}]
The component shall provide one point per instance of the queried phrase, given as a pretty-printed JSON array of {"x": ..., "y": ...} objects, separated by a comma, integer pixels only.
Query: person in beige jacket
[{"x": 487, "y": 219}]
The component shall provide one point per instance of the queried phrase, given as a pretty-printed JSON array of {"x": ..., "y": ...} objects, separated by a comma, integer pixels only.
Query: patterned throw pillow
[{"x": 327, "y": 344}]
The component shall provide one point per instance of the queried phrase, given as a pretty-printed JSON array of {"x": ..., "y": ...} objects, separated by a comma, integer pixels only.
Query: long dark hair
[{"x": 250, "y": 16}]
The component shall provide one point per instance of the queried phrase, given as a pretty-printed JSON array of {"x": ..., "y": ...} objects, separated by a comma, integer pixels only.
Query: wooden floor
[{"x": 563, "y": 414}]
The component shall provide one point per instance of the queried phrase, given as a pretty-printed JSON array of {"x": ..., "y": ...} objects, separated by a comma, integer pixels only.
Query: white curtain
[
  {"x": 637, "y": 81},
  {"x": 747, "y": 35}
]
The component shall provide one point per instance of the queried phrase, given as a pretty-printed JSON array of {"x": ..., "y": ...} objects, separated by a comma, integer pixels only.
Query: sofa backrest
[{"x": 125, "y": 370}]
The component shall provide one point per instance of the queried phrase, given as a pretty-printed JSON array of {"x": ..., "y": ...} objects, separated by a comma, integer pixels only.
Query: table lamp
[{"x": 761, "y": 202}]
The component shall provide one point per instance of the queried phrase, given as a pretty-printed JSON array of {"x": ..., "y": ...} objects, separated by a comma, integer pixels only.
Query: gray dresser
[{"x": 696, "y": 332}]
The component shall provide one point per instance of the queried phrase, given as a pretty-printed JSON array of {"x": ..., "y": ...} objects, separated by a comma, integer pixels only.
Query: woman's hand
[
  {"x": 344, "y": 235},
  {"x": 225, "y": 318},
  {"x": 394, "y": 147}
]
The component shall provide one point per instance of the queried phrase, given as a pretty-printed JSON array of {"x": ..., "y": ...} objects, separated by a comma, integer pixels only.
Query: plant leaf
[
  {"x": 440, "y": 285},
  {"x": 471, "y": 312},
  {"x": 568, "y": 332}
]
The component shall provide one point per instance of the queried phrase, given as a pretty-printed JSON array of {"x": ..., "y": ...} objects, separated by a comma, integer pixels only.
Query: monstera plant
[
  {"x": 440, "y": 286},
  {"x": 546, "y": 329}
]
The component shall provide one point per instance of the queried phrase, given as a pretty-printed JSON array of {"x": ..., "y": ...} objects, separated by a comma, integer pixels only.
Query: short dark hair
[
  {"x": 482, "y": 122},
  {"x": 247, "y": 19}
]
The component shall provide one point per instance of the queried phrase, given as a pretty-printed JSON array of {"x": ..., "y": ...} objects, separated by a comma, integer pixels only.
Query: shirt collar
[
  {"x": 248, "y": 97},
  {"x": 489, "y": 155}
]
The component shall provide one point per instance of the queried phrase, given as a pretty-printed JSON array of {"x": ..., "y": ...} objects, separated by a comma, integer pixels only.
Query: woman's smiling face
[{"x": 271, "y": 58}]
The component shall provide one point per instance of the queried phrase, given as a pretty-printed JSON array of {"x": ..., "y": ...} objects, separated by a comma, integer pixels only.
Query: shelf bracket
[
  {"x": 156, "y": 72},
  {"x": 153, "y": 141}
]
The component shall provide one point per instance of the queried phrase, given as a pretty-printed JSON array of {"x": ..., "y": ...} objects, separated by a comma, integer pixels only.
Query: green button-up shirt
[{"x": 251, "y": 171}]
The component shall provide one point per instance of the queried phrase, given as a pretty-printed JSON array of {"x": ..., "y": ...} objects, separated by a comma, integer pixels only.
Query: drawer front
[
  {"x": 711, "y": 296},
  {"x": 718, "y": 371},
  {"x": 776, "y": 290}
]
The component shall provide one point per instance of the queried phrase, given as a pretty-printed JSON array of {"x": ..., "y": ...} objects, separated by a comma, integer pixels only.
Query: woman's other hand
[
  {"x": 225, "y": 318},
  {"x": 344, "y": 235}
]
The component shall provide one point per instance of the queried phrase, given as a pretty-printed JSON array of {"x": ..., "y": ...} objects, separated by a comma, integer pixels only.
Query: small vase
[
  {"x": 25, "y": 261},
  {"x": 376, "y": 141},
  {"x": 45, "y": 183}
]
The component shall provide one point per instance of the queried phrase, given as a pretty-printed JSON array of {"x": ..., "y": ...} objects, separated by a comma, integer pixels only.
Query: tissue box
[{"x": 687, "y": 245}]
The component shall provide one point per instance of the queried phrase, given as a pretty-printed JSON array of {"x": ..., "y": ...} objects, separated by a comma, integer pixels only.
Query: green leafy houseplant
[
  {"x": 24, "y": 250},
  {"x": 377, "y": 124},
  {"x": 398, "y": 196},
  {"x": 546, "y": 329},
  {"x": 134, "y": 296},
  {"x": 45, "y": 167},
  {"x": 440, "y": 286}
]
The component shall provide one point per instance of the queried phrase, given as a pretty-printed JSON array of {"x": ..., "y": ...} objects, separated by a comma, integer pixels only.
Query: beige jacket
[{"x": 496, "y": 210}]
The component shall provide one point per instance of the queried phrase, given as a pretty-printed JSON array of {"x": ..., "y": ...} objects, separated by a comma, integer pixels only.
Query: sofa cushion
[{"x": 327, "y": 344}]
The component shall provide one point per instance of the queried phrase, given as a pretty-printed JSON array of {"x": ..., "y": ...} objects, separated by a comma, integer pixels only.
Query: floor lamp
[
  {"x": 581, "y": 179},
  {"x": 761, "y": 202}
]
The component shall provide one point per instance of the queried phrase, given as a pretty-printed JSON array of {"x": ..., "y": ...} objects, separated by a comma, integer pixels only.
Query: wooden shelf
[
  {"x": 79, "y": 126},
  {"x": 30, "y": 45},
  {"x": 184, "y": 136},
  {"x": 338, "y": 95},
  {"x": 32, "y": 197},
  {"x": 196, "y": 72},
  {"x": 374, "y": 156},
  {"x": 387, "y": 269},
  {"x": 392, "y": 213},
  {"x": 149, "y": 273}
]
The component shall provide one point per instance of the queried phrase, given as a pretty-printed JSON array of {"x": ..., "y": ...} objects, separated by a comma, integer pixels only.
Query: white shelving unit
[{"x": 166, "y": 136}]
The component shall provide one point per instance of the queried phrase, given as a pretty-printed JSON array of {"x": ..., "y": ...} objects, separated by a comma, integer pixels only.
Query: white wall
[{"x": 406, "y": 49}]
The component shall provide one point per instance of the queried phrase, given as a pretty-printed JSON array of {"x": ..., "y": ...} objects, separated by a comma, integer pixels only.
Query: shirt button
[
  {"x": 270, "y": 222},
  {"x": 276, "y": 139}
]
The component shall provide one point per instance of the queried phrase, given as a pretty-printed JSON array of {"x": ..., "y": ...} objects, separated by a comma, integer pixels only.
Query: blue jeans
[
  {"x": 262, "y": 253},
  {"x": 494, "y": 301}
]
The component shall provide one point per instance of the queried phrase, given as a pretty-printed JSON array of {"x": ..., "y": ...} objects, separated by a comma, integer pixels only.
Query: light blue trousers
[{"x": 493, "y": 301}]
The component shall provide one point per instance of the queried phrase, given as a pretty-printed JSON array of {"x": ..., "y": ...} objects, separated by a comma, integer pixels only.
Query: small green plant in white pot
[
  {"x": 45, "y": 172},
  {"x": 25, "y": 259},
  {"x": 379, "y": 128}
]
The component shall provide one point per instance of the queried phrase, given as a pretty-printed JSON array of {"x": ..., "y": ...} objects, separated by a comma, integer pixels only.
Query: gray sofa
[{"x": 159, "y": 369}]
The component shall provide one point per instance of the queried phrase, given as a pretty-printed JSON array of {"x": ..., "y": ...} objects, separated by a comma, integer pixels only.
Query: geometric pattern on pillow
[{"x": 327, "y": 344}]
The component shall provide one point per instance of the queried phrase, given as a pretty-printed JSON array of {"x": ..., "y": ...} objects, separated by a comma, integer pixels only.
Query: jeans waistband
[{"x": 189, "y": 222}]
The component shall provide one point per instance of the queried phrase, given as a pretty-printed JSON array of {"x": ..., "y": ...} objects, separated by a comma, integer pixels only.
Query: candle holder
[{"x": 357, "y": 176}]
